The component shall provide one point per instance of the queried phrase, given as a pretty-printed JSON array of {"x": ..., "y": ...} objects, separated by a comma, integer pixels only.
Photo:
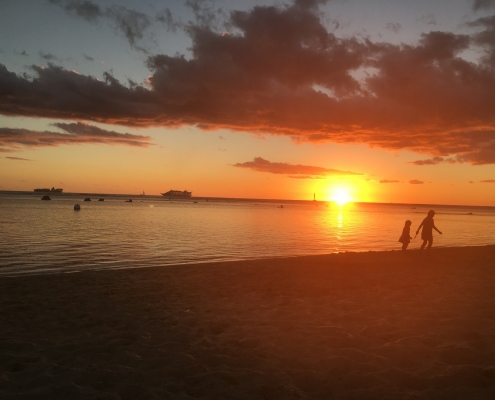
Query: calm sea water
[{"x": 49, "y": 236}]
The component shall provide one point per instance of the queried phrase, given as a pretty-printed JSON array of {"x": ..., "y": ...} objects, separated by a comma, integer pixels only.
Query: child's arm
[
  {"x": 420, "y": 227},
  {"x": 434, "y": 227}
]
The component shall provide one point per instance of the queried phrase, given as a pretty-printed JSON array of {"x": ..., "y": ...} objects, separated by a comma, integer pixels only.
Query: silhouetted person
[
  {"x": 405, "y": 238},
  {"x": 427, "y": 234}
]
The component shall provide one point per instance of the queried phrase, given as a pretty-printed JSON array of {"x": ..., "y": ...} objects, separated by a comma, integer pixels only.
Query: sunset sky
[{"x": 385, "y": 100}]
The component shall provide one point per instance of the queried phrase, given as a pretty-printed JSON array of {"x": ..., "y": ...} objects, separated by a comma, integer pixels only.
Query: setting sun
[{"x": 341, "y": 196}]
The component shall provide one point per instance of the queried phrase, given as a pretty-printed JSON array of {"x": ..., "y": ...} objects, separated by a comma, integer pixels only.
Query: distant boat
[
  {"x": 177, "y": 193},
  {"x": 52, "y": 190},
  {"x": 143, "y": 194}
]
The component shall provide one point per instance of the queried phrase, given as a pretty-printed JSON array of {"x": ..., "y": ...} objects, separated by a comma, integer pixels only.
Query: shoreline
[
  {"x": 409, "y": 252},
  {"x": 381, "y": 325}
]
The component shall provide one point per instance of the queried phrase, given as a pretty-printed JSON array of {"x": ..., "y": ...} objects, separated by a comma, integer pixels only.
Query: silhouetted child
[
  {"x": 405, "y": 238},
  {"x": 427, "y": 233}
]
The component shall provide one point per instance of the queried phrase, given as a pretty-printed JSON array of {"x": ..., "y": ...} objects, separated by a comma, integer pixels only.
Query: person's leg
[
  {"x": 423, "y": 245},
  {"x": 430, "y": 242},
  {"x": 404, "y": 246}
]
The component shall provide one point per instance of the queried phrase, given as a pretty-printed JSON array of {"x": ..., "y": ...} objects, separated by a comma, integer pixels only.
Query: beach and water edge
[{"x": 370, "y": 325}]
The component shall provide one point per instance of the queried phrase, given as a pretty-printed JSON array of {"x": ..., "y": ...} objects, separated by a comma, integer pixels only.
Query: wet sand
[{"x": 377, "y": 325}]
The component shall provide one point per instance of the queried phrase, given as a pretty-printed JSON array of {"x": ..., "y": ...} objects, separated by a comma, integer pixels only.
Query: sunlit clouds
[
  {"x": 292, "y": 171},
  {"x": 75, "y": 133},
  {"x": 261, "y": 77}
]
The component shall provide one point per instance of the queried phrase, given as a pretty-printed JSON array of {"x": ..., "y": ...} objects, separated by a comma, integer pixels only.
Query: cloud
[
  {"x": 395, "y": 27},
  {"x": 305, "y": 177},
  {"x": 432, "y": 161},
  {"x": 415, "y": 182},
  {"x": 428, "y": 19},
  {"x": 483, "y": 4},
  {"x": 167, "y": 19},
  {"x": 18, "y": 159},
  {"x": 262, "y": 77},
  {"x": 131, "y": 23},
  {"x": 293, "y": 171},
  {"x": 12, "y": 139},
  {"x": 47, "y": 56},
  {"x": 89, "y": 58},
  {"x": 388, "y": 181},
  {"x": 81, "y": 8},
  {"x": 470, "y": 181},
  {"x": 488, "y": 181}
]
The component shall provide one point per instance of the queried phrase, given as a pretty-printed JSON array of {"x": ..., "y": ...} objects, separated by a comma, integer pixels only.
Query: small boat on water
[
  {"x": 52, "y": 190},
  {"x": 177, "y": 194}
]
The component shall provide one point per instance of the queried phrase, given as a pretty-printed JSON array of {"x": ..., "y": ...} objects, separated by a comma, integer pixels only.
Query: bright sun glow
[{"x": 341, "y": 196}]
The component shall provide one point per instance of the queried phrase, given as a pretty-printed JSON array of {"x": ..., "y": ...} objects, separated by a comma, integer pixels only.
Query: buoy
[
  {"x": 77, "y": 207},
  {"x": 45, "y": 198}
]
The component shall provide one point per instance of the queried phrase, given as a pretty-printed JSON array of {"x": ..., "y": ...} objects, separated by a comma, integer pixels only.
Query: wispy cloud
[
  {"x": 415, "y": 182},
  {"x": 395, "y": 27},
  {"x": 488, "y": 181},
  {"x": 130, "y": 23},
  {"x": 388, "y": 181},
  {"x": 18, "y": 159},
  {"x": 292, "y": 170},
  {"x": 47, "y": 56},
  {"x": 483, "y": 4},
  {"x": 433, "y": 161},
  {"x": 75, "y": 133}
]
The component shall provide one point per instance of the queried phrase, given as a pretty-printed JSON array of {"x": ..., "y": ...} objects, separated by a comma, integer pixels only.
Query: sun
[{"x": 341, "y": 196}]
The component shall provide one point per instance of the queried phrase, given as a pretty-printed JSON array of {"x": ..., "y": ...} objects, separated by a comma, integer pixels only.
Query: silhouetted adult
[{"x": 427, "y": 233}]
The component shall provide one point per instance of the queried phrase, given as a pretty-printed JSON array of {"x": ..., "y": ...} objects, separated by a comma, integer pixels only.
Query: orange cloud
[
  {"x": 18, "y": 159},
  {"x": 388, "y": 181},
  {"x": 415, "y": 182},
  {"x": 75, "y": 133},
  {"x": 292, "y": 171}
]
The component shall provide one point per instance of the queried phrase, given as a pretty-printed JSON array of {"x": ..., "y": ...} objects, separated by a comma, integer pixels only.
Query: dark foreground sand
[{"x": 380, "y": 325}]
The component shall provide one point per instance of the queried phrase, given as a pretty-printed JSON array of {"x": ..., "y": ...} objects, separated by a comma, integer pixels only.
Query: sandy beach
[{"x": 377, "y": 325}]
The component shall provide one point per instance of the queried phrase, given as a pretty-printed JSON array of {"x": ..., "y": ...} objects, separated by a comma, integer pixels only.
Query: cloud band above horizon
[
  {"x": 13, "y": 140},
  {"x": 295, "y": 171},
  {"x": 265, "y": 75}
]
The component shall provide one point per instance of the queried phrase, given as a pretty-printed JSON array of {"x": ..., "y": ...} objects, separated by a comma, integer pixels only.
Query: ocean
[{"x": 38, "y": 237}]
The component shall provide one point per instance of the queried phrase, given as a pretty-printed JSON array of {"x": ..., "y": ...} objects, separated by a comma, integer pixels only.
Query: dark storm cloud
[
  {"x": 415, "y": 182},
  {"x": 388, "y": 181},
  {"x": 12, "y": 139},
  {"x": 280, "y": 71},
  {"x": 300, "y": 171}
]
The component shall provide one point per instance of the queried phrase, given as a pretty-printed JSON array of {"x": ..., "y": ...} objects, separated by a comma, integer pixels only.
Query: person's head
[
  {"x": 408, "y": 223},
  {"x": 431, "y": 213}
]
